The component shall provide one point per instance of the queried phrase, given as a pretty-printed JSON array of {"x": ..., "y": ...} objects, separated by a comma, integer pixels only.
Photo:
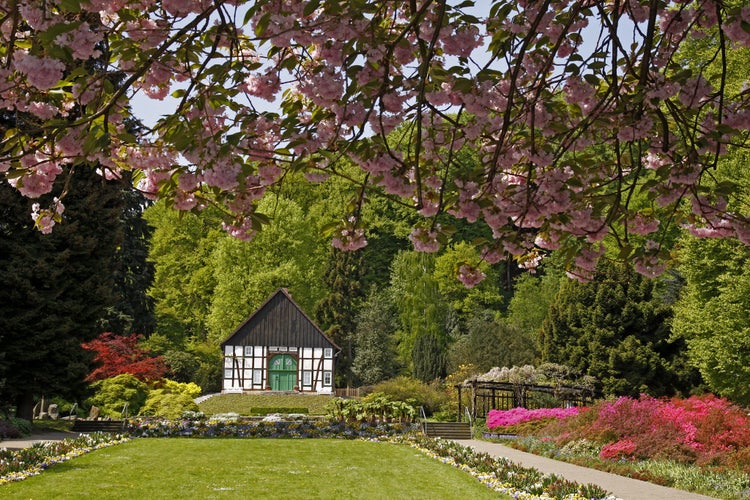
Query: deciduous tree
[
  {"x": 118, "y": 354},
  {"x": 570, "y": 108},
  {"x": 713, "y": 312}
]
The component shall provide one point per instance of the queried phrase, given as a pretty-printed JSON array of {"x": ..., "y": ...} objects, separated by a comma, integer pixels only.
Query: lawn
[
  {"x": 251, "y": 468},
  {"x": 247, "y": 404}
]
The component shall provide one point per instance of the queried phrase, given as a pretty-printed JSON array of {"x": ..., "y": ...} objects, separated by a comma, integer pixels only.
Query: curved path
[{"x": 622, "y": 487}]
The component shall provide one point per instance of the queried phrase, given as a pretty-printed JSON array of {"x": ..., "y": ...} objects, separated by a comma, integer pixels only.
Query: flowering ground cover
[
  {"x": 232, "y": 425},
  {"x": 16, "y": 465},
  {"x": 500, "y": 418},
  {"x": 701, "y": 443}
]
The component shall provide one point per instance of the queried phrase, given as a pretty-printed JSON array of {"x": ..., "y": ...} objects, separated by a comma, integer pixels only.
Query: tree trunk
[{"x": 25, "y": 406}]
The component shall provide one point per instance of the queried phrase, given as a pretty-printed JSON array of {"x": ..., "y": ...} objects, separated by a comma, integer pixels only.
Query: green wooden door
[{"x": 283, "y": 373}]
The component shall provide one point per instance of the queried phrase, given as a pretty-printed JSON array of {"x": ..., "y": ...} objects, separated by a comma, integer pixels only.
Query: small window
[
  {"x": 238, "y": 351},
  {"x": 292, "y": 349},
  {"x": 328, "y": 352},
  {"x": 257, "y": 377},
  {"x": 227, "y": 373},
  {"x": 228, "y": 362},
  {"x": 248, "y": 351},
  {"x": 307, "y": 378},
  {"x": 327, "y": 378}
]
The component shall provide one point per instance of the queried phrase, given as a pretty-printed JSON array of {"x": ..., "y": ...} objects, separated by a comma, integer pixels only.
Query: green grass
[
  {"x": 251, "y": 468},
  {"x": 52, "y": 425},
  {"x": 244, "y": 403}
]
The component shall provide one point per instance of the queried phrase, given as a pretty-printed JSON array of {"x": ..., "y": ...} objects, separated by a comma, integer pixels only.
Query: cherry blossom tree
[{"x": 543, "y": 119}]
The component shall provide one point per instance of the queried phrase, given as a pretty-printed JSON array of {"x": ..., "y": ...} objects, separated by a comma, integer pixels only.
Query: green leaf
[{"x": 310, "y": 7}]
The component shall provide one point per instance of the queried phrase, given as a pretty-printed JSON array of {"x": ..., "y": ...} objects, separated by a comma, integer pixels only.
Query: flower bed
[
  {"x": 504, "y": 476},
  {"x": 16, "y": 465},
  {"x": 269, "y": 428}
]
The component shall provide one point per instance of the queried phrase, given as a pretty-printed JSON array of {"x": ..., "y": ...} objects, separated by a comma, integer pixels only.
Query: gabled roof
[{"x": 279, "y": 322}]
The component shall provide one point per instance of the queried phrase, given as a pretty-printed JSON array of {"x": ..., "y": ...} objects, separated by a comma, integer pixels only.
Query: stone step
[{"x": 448, "y": 430}]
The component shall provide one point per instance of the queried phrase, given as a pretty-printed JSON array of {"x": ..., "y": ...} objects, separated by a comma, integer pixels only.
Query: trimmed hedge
[{"x": 267, "y": 410}]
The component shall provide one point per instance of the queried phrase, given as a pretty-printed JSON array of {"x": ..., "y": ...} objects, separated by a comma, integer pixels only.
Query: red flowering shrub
[
  {"x": 504, "y": 418},
  {"x": 619, "y": 449},
  {"x": 700, "y": 429}
]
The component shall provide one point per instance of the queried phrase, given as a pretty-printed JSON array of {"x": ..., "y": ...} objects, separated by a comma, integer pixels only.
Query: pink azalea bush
[
  {"x": 705, "y": 430},
  {"x": 503, "y": 418}
]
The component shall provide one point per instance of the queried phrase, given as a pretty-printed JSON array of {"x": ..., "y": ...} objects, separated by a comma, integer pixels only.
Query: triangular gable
[{"x": 279, "y": 322}]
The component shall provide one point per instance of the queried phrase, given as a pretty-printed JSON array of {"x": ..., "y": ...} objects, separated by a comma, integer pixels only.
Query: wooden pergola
[{"x": 489, "y": 395}]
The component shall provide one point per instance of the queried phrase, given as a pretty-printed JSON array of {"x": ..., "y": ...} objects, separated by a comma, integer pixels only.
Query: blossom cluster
[
  {"x": 533, "y": 133},
  {"x": 502, "y": 418}
]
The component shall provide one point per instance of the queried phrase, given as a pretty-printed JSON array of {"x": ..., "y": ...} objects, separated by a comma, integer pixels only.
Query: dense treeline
[
  {"x": 412, "y": 316},
  {"x": 118, "y": 265}
]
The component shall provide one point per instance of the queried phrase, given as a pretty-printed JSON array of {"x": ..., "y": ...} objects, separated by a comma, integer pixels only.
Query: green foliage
[
  {"x": 181, "y": 249},
  {"x": 208, "y": 375},
  {"x": 112, "y": 394},
  {"x": 183, "y": 366},
  {"x": 373, "y": 342},
  {"x": 617, "y": 330},
  {"x": 430, "y": 396},
  {"x": 428, "y": 358},
  {"x": 23, "y": 425},
  {"x": 336, "y": 312},
  {"x": 713, "y": 314},
  {"x": 133, "y": 309},
  {"x": 375, "y": 407},
  {"x": 171, "y": 399},
  {"x": 449, "y": 409},
  {"x": 532, "y": 297},
  {"x": 284, "y": 254},
  {"x": 461, "y": 299},
  {"x": 422, "y": 313},
  {"x": 493, "y": 341}
]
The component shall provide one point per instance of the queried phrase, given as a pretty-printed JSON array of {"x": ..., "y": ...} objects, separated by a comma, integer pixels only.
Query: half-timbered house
[{"x": 279, "y": 348}]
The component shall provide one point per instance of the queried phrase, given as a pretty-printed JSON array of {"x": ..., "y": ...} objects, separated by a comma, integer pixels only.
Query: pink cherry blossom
[
  {"x": 425, "y": 240},
  {"x": 470, "y": 276},
  {"x": 41, "y": 72}
]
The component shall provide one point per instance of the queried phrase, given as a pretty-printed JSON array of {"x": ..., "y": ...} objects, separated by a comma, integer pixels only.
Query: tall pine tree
[
  {"x": 133, "y": 309},
  {"x": 55, "y": 289},
  {"x": 617, "y": 329},
  {"x": 336, "y": 313}
]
